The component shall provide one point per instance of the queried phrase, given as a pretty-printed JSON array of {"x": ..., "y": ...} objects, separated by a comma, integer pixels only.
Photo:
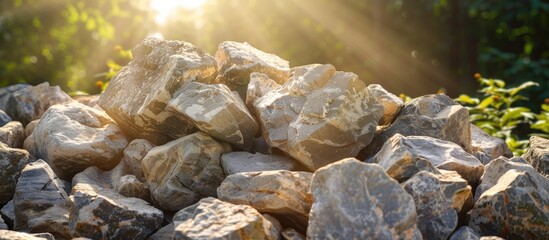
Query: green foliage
[{"x": 542, "y": 123}]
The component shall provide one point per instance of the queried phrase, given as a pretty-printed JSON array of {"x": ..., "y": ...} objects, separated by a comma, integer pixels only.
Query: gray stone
[
  {"x": 31, "y": 103},
  {"x": 292, "y": 234},
  {"x": 391, "y": 103},
  {"x": 438, "y": 199},
  {"x": 215, "y": 110},
  {"x": 13, "y": 235},
  {"x": 275, "y": 228},
  {"x": 236, "y": 61},
  {"x": 89, "y": 100},
  {"x": 181, "y": 172},
  {"x": 5, "y": 94},
  {"x": 30, "y": 127},
  {"x": 260, "y": 84},
  {"x": 436, "y": 116},
  {"x": 236, "y": 162},
  {"x": 402, "y": 157},
  {"x": 537, "y": 154},
  {"x": 514, "y": 208},
  {"x": 4, "y": 118},
  {"x": 281, "y": 193},
  {"x": 319, "y": 116},
  {"x": 356, "y": 200},
  {"x": 134, "y": 154},
  {"x": 3, "y": 225},
  {"x": 12, "y": 162},
  {"x": 12, "y": 134},
  {"x": 40, "y": 202},
  {"x": 72, "y": 137},
  {"x": 137, "y": 96},
  {"x": 214, "y": 219},
  {"x": 164, "y": 233},
  {"x": 465, "y": 233},
  {"x": 486, "y": 148},
  {"x": 8, "y": 214},
  {"x": 100, "y": 213}
]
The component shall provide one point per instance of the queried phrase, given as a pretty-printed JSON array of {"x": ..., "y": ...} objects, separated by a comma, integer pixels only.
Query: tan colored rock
[
  {"x": 137, "y": 96},
  {"x": 275, "y": 228},
  {"x": 260, "y": 84},
  {"x": 89, "y": 100},
  {"x": 391, "y": 103},
  {"x": 292, "y": 234},
  {"x": 537, "y": 154},
  {"x": 181, "y": 172},
  {"x": 30, "y": 127},
  {"x": 72, "y": 137},
  {"x": 12, "y": 134},
  {"x": 319, "y": 116},
  {"x": 486, "y": 148},
  {"x": 134, "y": 154},
  {"x": 13, "y": 235},
  {"x": 236, "y": 162}
]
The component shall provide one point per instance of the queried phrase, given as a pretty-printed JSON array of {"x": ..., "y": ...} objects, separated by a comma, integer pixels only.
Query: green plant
[
  {"x": 497, "y": 113},
  {"x": 542, "y": 120}
]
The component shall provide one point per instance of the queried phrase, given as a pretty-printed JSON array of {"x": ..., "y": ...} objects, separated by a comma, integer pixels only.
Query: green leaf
[
  {"x": 463, "y": 98},
  {"x": 486, "y": 102},
  {"x": 522, "y": 87},
  {"x": 513, "y": 113}
]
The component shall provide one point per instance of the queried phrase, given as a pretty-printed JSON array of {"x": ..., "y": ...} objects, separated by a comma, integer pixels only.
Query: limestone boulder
[
  {"x": 100, "y": 213},
  {"x": 14, "y": 235},
  {"x": 537, "y": 154},
  {"x": 137, "y": 96},
  {"x": 215, "y": 110},
  {"x": 211, "y": 218},
  {"x": 31, "y": 103},
  {"x": 12, "y": 162},
  {"x": 30, "y": 127},
  {"x": 283, "y": 193},
  {"x": 319, "y": 116},
  {"x": 4, "y": 118},
  {"x": 5, "y": 94},
  {"x": 134, "y": 154},
  {"x": 438, "y": 199},
  {"x": 237, "y": 162},
  {"x": 260, "y": 84},
  {"x": 72, "y": 137},
  {"x": 486, "y": 148},
  {"x": 391, "y": 103},
  {"x": 402, "y": 157},
  {"x": 356, "y": 200},
  {"x": 236, "y": 61},
  {"x": 40, "y": 202},
  {"x": 12, "y": 134},
  {"x": 181, "y": 172}
]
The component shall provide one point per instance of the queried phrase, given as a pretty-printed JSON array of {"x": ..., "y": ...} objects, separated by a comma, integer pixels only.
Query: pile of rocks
[{"x": 186, "y": 145}]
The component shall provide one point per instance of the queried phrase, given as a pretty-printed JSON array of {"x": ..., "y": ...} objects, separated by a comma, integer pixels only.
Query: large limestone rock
[
  {"x": 214, "y": 219},
  {"x": 436, "y": 116},
  {"x": 40, "y": 202},
  {"x": 514, "y": 208},
  {"x": 402, "y": 157},
  {"x": 438, "y": 199},
  {"x": 355, "y": 200},
  {"x": 281, "y": 193},
  {"x": 319, "y": 116},
  {"x": 538, "y": 154},
  {"x": 72, "y": 137},
  {"x": 236, "y": 162},
  {"x": 100, "y": 213},
  {"x": 12, "y": 134},
  {"x": 181, "y": 172},
  {"x": 486, "y": 148},
  {"x": 4, "y": 118},
  {"x": 391, "y": 103},
  {"x": 5, "y": 95},
  {"x": 137, "y": 96},
  {"x": 31, "y": 103},
  {"x": 236, "y": 61},
  {"x": 12, "y": 162},
  {"x": 134, "y": 154},
  {"x": 260, "y": 84},
  {"x": 13, "y": 235},
  {"x": 215, "y": 110}
]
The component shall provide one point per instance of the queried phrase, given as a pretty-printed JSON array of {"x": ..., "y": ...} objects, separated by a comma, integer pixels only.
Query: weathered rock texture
[
  {"x": 214, "y": 219},
  {"x": 538, "y": 154},
  {"x": 292, "y": 234},
  {"x": 100, "y": 213},
  {"x": 391, "y": 103},
  {"x": 215, "y": 110},
  {"x": 137, "y": 96},
  {"x": 12, "y": 134},
  {"x": 31, "y": 103},
  {"x": 134, "y": 154},
  {"x": 465, "y": 233},
  {"x": 355, "y": 200},
  {"x": 40, "y": 202},
  {"x": 12, "y": 162},
  {"x": 486, "y": 148},
  {"x": 30, "y": 127},
  {"x": 402, "y": 157},
  {"x": 5, "y": 95},
  {"x": 72, "y": 137},
  {"x": 319, "y": 116},
  {"x": 236, "y": 162},
  {"x": 4, "y": 118},
  {"x": 13, "y": 235},
  {"x": 8, "y": 214},
  {"x": 181, "y": 172},
  {"x": 260, "y": 84}
]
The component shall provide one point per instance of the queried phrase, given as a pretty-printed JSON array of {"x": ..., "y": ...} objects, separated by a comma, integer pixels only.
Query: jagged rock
[
  {"x": 164, "y": 233},
  {"x": 4, "y": 118},
  {"x": 137, "y": 96},
  {"x": 281, "y": 193},
  {"x": 40, "y": 202},
  {"x": 12, "y": 134},
  {"x": 260, "y": 84},
  {"x": 486, "y": 148},
  {"x": 8, "y": 214},
  {"x": 438, "y": 199},
  {"x": 215, "y": 110},
  {"x": 181, "y": 172},
  {"x": 236, "y": 162},
  {"x": 355, "y": 200},
  {"x": 6, "y": 92},
  {"x": 3, "y": 225},
  {"x": 436, "y": 116},
  {"x": 31, "y": 103},
  {"x": 72, "y": 137},
  {"x": 464, "y": 233},
  {"x": 402, "y": 157},
  {"x": 134, "y": 154},
  {"x": 12, "y": 162},
  {"x": 514, "y": 208},
  {"x": 538, "y": 154},
  {"x": 276, "y": 228},
  {"x": 214, "y": 219},
  {"x": 391, "y": 103},
  {"x": 292, "y": 234},
  {"x": 88, "y": 100},
  {"x": 319, "y": 116},
  {"x": 236, "y": 61},
  {"x": 30, "y": 127},
  {"x": 13, "y": 235},
  {"x": 100, "y": 213}
]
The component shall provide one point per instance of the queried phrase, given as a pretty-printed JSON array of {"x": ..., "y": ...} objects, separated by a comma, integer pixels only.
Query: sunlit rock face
[
  {"x": 12, "y": 134},
  {"x": 538, "y": 154},
  {"x": 391, "y": 103},
  {"x": 319, "y": 116},
  {"x": 486, "y": 148},
  {"x": 260, "y": 84},
  {"x": 137, "y": 96},
  {"x": 236, "y": 162}
]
